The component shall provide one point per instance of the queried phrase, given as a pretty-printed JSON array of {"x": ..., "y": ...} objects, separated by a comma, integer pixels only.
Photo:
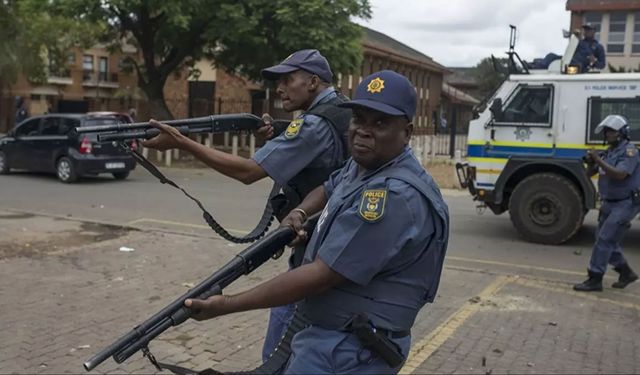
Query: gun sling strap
[
  {"x": 274, "y": 365},
  {"x": 256, "y": 233}
]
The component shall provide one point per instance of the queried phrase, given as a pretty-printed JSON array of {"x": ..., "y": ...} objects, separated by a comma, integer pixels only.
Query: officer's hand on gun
[
  {"x": 295, "y": 219},
  {"x": 207, "y": 308},
  {"x": 170, "y": 137},
  {"x": 592, "y": 156},
  {"x": 265, "y": 132}
]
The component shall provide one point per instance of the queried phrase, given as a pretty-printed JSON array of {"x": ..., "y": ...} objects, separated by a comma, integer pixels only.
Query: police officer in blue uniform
[
  {"x": 299, "y": 159},
  {"x": 619, "y": 188},
  {"x": 589, "y": 53},
  {"x": 376, "y": 255}
]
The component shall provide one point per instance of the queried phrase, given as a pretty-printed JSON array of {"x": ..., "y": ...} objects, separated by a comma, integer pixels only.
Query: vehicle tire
[
  {"x": 4, "y": 164},
  {"x": 120, "y": 175},
  {"x": 546, "y": 208},
  {"x": 65, "y": 170}
]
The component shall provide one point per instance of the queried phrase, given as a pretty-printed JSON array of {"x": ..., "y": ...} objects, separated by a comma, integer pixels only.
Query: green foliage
[
  {"x": 36, "y": 40},
  {"x": 486, "y": 75}
]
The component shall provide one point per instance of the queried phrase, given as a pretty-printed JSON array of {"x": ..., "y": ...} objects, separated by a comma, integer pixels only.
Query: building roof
[
  {"x": 461, "y": 77},
  {"x": 602, "y": 5},
  {"x": 458, "y": 96},
  {"x": 375, "y": 40}
]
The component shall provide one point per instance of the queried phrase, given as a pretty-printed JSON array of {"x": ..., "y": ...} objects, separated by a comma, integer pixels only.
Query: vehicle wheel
[
  {"x": 4, "y": 164},
  {"x": 546, "y": 208},
  {"x": 65, "y": 170},
  {"x": 120, "y": 175}
]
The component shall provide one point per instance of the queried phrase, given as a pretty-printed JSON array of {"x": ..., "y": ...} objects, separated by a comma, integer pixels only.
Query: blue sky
[{"x": 462, "y": 32}]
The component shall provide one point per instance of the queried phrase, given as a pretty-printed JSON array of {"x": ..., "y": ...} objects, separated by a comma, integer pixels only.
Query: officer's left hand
[
  {"x": 206, "y": 309},
  {"x": 592, "y": 59},
  {"x": 295, "y": 220},
  {"x": 168, "y": 139},
  {"x": 594, "y": 155}
]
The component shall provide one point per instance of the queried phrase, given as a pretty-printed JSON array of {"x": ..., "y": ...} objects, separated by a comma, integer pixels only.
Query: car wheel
[
  {"x": 546, "y": 208},
  {"x": 65, "y": 170},
  {"x": 120, "y": 175},
  {"x": 4, "y": 164}
]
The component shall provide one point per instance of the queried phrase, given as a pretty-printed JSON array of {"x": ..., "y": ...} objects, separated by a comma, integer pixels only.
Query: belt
[
  {"x": 393, "y": 334},
  {"x": 616, "y": 200}
]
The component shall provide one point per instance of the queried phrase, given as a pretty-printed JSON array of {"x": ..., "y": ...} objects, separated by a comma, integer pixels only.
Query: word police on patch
[
  {"x": 372, "y": 204},
  {"x": 293, "y": 129}
]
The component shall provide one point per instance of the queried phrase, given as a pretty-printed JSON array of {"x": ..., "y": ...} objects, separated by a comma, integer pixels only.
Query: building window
[
  {"x": 71, "y": 59},
  {"x": 102, "y": 68},
  {"x": 87, "y": 67},
  {"x": 617, "y": 26},
  {"x": 635, "y": 47},
  {"x": 595, "y": 19}
]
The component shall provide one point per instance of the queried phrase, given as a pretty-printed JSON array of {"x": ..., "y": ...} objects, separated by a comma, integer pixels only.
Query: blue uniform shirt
[
  {"x": 309, "y": 141},
  {"x": 377, "y": 232},
  {"x": 585, "y": 49},
  {"x": 625, "y": 157}
]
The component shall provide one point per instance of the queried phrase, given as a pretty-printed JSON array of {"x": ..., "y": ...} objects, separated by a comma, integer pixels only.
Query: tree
[
  {"x": 35, "y": 41},
  {"x": 241, "y": 36},
  {"x": 488, "y": 76}
]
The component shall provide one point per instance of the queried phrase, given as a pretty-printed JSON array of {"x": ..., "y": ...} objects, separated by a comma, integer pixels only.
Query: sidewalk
[{"x": 61, "y": 306}]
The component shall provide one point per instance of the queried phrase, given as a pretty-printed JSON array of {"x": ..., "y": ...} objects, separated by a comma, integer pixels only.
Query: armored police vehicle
[{"x": 525, "y": 150}]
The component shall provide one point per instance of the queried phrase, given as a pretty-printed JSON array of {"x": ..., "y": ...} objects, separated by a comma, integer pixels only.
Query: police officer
[
  {"x": 21, "y": 110},
  {"x": 299, "y": 159},
  {"x": 589, "y": 53},
  {"x": 376, "y": 255},
  {"x": 619, "y": 188}
]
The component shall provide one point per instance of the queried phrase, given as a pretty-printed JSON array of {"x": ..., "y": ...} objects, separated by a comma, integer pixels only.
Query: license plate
[{"x": 115, "y": 165}]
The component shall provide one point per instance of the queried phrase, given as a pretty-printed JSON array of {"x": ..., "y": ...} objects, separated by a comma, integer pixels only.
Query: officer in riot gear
[
  {"x": 298, "y": 159},
  {"x": 619, "y": 189}
]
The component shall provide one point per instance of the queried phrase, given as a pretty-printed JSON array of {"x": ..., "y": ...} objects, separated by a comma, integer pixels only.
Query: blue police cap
[
  {"x": 309, "y": 60},
  {"x": 388, "y": 92}
]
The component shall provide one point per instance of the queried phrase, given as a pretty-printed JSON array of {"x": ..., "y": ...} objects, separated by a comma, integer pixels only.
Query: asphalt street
[{"x": 504, "y": 306}]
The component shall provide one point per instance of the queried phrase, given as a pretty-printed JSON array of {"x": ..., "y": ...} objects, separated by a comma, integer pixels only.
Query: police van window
[
  {"x": 530, "y": 106},
  {"x": 599, "y": 108},
  {"x": 29, "y": 128},
  {"x": 67, "y": 125}
]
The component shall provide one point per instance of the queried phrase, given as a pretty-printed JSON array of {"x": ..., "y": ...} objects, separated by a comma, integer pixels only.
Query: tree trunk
[{"x": 157, "y": 104}]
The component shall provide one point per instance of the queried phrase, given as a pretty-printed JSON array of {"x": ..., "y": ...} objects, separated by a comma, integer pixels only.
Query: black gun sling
[
  {"x": 274, "y": 365},
  {"x": 256, "y": 233}
]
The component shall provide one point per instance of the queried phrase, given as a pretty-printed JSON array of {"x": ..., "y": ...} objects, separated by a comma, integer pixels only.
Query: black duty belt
[{"x": 616, "y": 200}]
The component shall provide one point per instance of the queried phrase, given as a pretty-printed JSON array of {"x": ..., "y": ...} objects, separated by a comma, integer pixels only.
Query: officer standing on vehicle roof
[
  {"x": 589, "y": 52},
  {"x": 376, "y": 255},
  {"x": 299, "y": 159},
  {"x": 619, "y": 188}
]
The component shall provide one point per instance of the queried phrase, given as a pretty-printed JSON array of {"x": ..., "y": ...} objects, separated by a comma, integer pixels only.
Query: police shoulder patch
[
  {"x": 632, "y": 151},
  {"x": 372, "y": 204},
  {"x": 294, "y": 128}
]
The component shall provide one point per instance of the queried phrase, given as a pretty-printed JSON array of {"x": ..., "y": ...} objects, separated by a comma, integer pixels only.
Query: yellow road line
[
  {"x": 533, "y": 268},
  {"x": 423, "y": 349},
  {"x": 175, "y": 223},
  {"x": 550, "y": 286}
]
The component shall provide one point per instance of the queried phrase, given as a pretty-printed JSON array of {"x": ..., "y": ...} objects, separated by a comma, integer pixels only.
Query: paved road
[{"x": 504, "y": 305}]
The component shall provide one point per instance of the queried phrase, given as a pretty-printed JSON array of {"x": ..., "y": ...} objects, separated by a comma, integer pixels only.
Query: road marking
[
  {"x": 533, "y": 268},
  {"x": 546, "y": 285},
  {"x": 175, "y": 223},
  {"x": 424, "y": 348}
]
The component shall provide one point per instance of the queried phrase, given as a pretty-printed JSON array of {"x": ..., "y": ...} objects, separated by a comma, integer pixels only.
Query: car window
[
  {"x": 107, "y": 120},
  {"x": 50, "y": 126},
  {"x": 29, "y": 128},
  {"x": 67, "y": 125}
]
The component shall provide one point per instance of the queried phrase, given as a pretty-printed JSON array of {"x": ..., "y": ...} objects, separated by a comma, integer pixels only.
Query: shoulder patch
[
  {"x": 632, "y": 151},
  {"x": 293, "y": 129},
  {"x": 372, "y": 204}
]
